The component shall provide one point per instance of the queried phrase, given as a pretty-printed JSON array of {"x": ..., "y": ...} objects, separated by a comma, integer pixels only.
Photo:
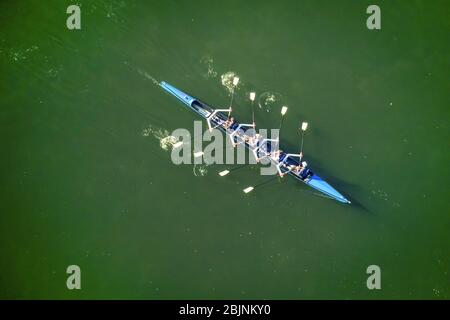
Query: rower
[
  {"x": 276, "y": 155},
  {"x": 253, "y": 140},
  {"x": 236, "y": 131},
  {"x": 292, "y": 167},
  {"x": 260, "y": 144},
  {"x": 228, "y": 123},
  {"x": 213, "y": 117},
  {"x": 303, "y": 173},
  {"x": 279, "y": 157}
]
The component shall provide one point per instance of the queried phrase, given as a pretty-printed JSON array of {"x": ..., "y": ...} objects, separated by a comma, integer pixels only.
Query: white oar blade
[
  {"x": 178, "y": 144},
  {"x": 235, "y": 81},
  {"x": 304, "y": 126},
  {"x": 198, "y": 154},
  {"x": 248, "y": 189},
  {"x": 283, "y": 110},
  {"x": 224, "y": 173},
  {"x": 252, "y": 96}
]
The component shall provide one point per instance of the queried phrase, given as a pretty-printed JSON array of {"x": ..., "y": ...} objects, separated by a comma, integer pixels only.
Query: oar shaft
[
  {"x": 281, "y": 124},
  {"x": 265, "y": 182},
  {"x": 253, "y": 112},
  {"x": 231, "y": 102},
  {"x": 301, "y": 147},
  {"x": 239, "y": 167}
]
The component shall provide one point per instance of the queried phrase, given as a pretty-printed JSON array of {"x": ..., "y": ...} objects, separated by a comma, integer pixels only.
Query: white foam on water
[
  {"x": 227, "y": 80},
  {"x": 166, "y": 141},
  {"x": 267, "y": 100}
]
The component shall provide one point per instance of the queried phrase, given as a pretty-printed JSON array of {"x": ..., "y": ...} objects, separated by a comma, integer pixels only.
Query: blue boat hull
[{"x": 204, "y": 110}]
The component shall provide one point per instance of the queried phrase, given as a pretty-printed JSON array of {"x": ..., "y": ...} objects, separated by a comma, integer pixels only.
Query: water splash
[
  {"x": 166, "y": 141},
  {"x": 267, "y": 100},
  {"x": 227, "y": 81}
]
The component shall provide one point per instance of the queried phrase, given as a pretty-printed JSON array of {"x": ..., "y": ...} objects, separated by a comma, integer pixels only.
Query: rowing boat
[{"x": 216, "y": 118}]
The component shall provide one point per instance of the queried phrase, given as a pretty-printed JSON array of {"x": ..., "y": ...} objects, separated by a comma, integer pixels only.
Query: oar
[
  {"x": 304, "y": 127},
  {"x": 235, "y": 83},
  {"x": 226, "y": 172},
  {"x": 252, "y": 99},
  {"x": 177, "y": 145},
  {"x": 251, "y": 188},
  {"x": 283, "y": 112}
]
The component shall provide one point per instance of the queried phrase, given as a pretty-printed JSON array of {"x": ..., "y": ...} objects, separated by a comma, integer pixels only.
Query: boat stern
[{"x": 180, "y": 95}]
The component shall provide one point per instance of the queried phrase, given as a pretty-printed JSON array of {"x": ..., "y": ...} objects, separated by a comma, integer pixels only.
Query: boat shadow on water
[{"x": 347, "y": 187}]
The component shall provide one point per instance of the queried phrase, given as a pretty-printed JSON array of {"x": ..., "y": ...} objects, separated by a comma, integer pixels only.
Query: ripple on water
[
  {"x": 166, "y": 141},
  {"x": 200, "y": 170},
  {"x": 267, "y": 100},
  {"x": 18, "y": 55},
  {"x": 208, "y": 63},
  {"x": 146, "y": 75}
]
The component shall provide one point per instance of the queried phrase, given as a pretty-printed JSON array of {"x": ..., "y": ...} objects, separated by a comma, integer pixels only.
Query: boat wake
[
  {"x": 148, "y": 76},
  {"x": 142, "y": 73}
]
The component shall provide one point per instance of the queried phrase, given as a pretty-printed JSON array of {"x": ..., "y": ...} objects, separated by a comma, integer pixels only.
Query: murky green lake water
[{"x": 85, "y": 181}]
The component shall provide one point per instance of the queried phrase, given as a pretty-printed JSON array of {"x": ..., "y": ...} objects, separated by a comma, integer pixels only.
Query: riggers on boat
[{"x": 216, "y": 118}]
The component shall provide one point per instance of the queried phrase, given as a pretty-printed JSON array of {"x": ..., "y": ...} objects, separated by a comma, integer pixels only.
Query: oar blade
[
  {"x": 177, "y": 144},
  {"x": 304, "y": 126},
  {"x": 248, "y": 189},
  {"x": 224, "y": 173}
]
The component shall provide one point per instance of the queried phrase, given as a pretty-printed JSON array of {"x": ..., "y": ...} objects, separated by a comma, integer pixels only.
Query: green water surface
[{"x": 84, "y": 179}]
